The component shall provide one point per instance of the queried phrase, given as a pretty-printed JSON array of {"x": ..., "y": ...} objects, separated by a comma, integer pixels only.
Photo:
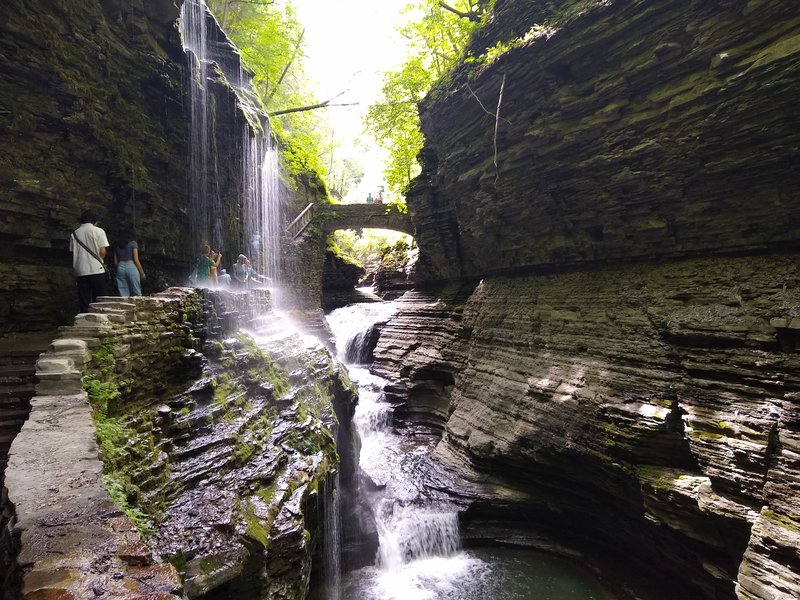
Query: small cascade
[
  {"x": 332, "y": 539},
  {"x": 411, "y": 533},
  {"x": 353, "y": 328},
  {"x": 411, "y": 530}
]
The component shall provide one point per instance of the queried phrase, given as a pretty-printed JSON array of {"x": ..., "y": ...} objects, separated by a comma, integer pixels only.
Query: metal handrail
[{"x": 301, "y": 221}]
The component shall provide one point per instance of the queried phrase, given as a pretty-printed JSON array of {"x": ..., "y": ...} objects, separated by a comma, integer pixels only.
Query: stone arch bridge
[
  {"x": 305, "y": 264},
  {"x": 330, "y": 217}
]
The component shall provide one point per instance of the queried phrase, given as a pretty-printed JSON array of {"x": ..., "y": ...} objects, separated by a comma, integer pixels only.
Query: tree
[
  {"x": 343, "y": 175},
  {"x": 437, "y": 39},
  {"x": 270, "y": 39}
]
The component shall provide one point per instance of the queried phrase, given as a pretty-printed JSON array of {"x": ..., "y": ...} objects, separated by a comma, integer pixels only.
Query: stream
[{"x": 420, "y": 555}]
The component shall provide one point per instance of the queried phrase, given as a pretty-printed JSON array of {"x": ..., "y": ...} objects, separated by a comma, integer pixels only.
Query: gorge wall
[
  {"x": 91, "y": 116},
  {"x": 220, "y": 450},
  {"x": 627, "y": 130},
  {"x": 94, "y": 113},
  {"x": 615, "y": 371}
]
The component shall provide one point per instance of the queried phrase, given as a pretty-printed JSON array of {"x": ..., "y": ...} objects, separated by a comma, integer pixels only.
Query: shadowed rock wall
[
  {"x": 627, "y": 130},
  {"x": 623, "y": 379},
  {"x": 645, "y": 416},
  {"x": 91, "y": 116}
]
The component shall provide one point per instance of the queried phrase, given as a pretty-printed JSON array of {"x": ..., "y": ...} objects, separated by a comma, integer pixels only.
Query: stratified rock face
[
  {"x": 91, "y": 116},
  {"x": 339, "y": 279},
  {"x": 626, "y": 129},
  {"x": 644, "y": 415},
  {"x": 218, "y": 450},
  {"x": 94, "y": 114}
]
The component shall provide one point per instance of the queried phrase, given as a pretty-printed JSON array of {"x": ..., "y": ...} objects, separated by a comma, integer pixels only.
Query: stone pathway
[{"x": 75, "y": 543}]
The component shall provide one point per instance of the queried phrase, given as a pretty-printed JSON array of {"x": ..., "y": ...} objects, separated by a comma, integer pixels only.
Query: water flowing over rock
[
  {"x": 643, "y": 415},
  {"x": 94, "y": 114},
  {"x": 635, "y": 402},
  {"x": 214, "y": 444}
]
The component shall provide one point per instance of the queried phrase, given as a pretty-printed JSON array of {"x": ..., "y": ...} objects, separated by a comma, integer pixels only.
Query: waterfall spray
[{"x": 259, "y": 195}]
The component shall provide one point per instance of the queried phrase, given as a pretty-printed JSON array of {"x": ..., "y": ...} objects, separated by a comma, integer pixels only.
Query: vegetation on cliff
[{"x": 438, "y": 33}]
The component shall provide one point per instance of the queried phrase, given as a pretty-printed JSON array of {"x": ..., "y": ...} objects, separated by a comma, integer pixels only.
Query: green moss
[
  {"x": 179, "y": 561},
  {"x": 267, "y": 494},
  {"x": 790, "y": 522},
  {"x": 703, "y": 435},
  {"x": 255, "y": 529},
  {"x": 122, "y": 493},
  {"x": 243, "y": 449}
]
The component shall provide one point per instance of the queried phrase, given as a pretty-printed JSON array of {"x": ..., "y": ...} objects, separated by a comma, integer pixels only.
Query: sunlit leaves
[
  {"x": 270, "y": 39},
  {"x": 437, "y": 32}
]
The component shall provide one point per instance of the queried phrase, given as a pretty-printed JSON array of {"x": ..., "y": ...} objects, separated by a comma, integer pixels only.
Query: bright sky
[{"x": 349, "y": 44}]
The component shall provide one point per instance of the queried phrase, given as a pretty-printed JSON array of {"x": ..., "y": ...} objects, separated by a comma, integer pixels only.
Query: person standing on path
[
  {"x": 130, "y": 273},
  {"x": 88, "y": 244}
]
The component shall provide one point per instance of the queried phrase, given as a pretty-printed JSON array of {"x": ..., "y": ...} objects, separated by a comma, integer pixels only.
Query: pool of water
[{"x": 477, "y": 574}]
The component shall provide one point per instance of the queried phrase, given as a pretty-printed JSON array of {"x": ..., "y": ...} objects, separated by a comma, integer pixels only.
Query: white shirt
[{"x": 84, "y": 263}]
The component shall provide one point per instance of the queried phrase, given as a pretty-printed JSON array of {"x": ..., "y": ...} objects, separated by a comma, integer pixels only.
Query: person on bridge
[{"x": 370, "y": 199}]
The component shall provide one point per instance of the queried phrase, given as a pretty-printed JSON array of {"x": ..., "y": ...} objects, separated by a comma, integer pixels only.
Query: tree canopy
[
  {"x": 270, "y": 37},
  {"x": 438, "y": 33}
]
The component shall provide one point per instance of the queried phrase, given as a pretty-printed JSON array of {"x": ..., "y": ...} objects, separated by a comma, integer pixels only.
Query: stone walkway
[{"x": 75, "y": 542}]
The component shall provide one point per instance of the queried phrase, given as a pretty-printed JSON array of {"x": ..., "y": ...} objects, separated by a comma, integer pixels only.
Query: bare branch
[
  {"x": 496, "y": 124},
  {"x": 288, "y": 64},
  {"x": 325, "y": 104},
  {"x": 488, "y": 112},
  {"x": 472, "y": 16}
]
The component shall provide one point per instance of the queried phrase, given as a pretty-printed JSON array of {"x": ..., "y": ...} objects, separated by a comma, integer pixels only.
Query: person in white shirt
[{"x": 88, "y": 244}]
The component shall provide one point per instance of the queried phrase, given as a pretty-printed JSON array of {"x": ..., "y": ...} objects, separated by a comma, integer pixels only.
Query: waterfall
[
  {"x": 194, "y": 33},
  {"x": 213, "y": 60},
  {"x": 413, "y": 533},
  {"x": 262, "y": 205},
  {"x": 351, "y": 327},
  {"x": 331, "y": 538}
]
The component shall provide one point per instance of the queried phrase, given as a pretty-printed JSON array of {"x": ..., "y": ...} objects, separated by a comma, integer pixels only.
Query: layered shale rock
[
  {"x": 604, "y": 389},
  {"x": 626, "y": 129},
  {"x": 644, "y": 416},
  {"x": 94, "y": 114},
  {"x": 218, "y": 450},
  {"x": 91, "y": 116}
]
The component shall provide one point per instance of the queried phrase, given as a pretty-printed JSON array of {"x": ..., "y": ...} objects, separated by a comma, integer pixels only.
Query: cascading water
[
  {"x": 262, "y": 205},
  {"x": 194, "y": 33},
  {"x": 211, "y": 57},
  {"x": 414, "y": 535},
  {"x": 419, "y": 555}
]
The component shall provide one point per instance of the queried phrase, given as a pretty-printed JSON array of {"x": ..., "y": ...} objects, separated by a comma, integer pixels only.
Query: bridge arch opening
[{"x": 367, "y": 263}]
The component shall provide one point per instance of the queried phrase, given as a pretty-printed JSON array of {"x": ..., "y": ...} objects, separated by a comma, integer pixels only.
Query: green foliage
[
  {"x": 390, "y": 248},
  {"x": 395, "y": 256},
  {"x": 344, "y": 175},
  {"x": 100, "y": 394},
  {"x": 119, "y": 492},
  {"x": 437, "y": 37},
  {"x": 270, "y": 39}
]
